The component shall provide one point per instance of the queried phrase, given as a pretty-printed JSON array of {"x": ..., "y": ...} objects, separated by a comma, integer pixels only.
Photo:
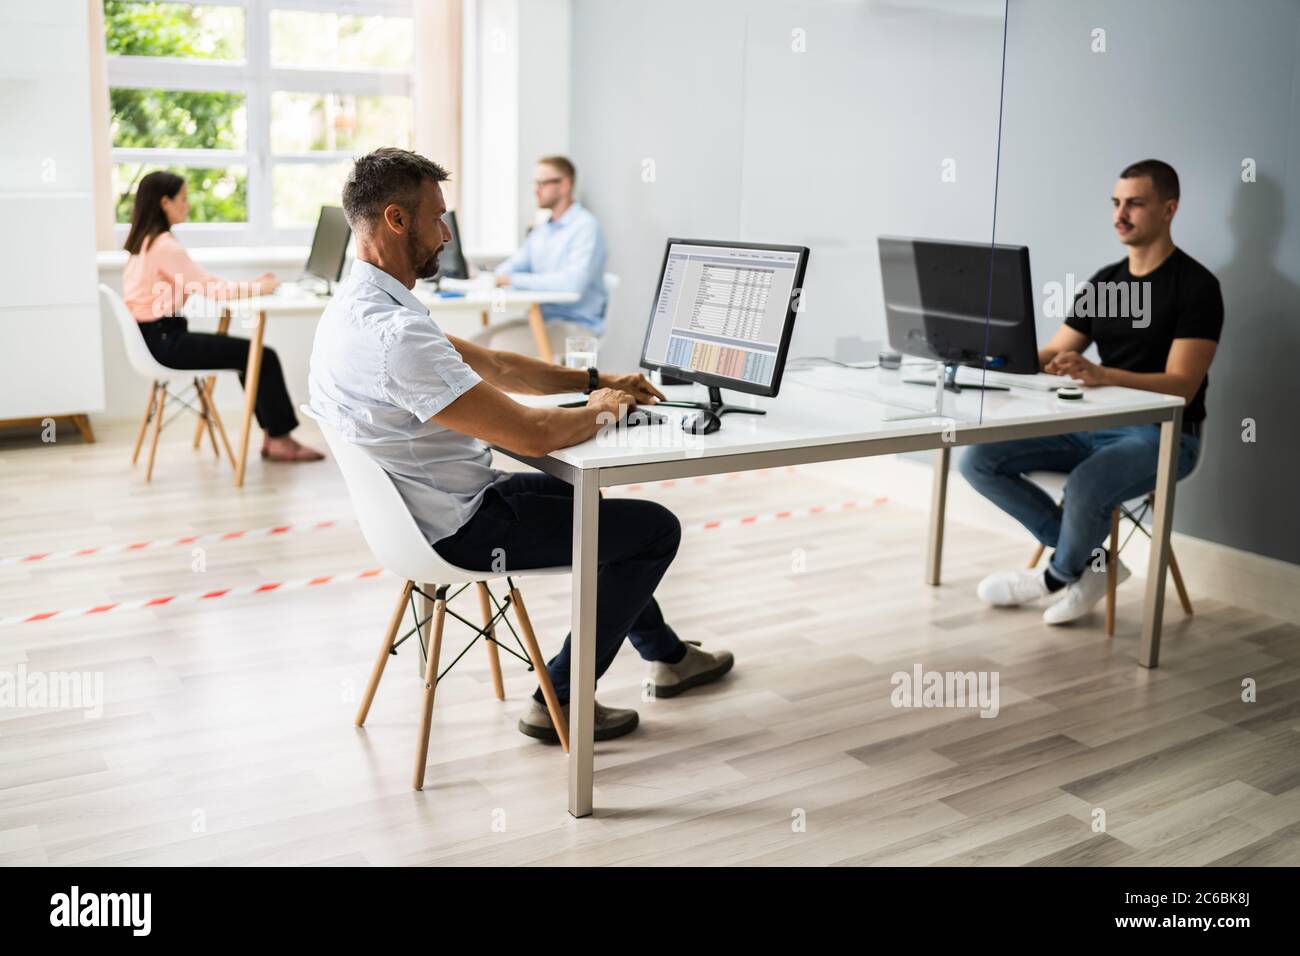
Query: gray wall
[
  {"x": 1202, "y": 84},
  {"x": 838, "y": 144}
]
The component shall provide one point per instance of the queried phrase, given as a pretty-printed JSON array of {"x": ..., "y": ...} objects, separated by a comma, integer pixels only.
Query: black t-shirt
[{"x": 1134, "y": 320}]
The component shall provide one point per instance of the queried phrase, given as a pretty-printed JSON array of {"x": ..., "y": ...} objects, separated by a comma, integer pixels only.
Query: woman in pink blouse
[{"x": 159, "y": 276}]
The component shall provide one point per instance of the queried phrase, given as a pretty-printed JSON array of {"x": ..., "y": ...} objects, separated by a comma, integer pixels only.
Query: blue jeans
[
  {"x": 526, "y": 520},
  {"x": 1105, "y": 468}
]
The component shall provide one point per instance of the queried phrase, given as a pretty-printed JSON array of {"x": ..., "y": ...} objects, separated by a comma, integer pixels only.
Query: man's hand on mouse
[
  {"x": 613, "y": 400},
  {"x": 638, "y": 386}
]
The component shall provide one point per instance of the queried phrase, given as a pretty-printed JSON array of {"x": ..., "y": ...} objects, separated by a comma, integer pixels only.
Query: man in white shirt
[
  {"x": 423, "y": 404},
  {"x": 567, "y": 253}
]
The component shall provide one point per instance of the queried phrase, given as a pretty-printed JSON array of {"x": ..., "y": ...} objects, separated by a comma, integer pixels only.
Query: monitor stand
[
  {"x": 950, "y": 382},
  {"x": 715, "y": 404}
]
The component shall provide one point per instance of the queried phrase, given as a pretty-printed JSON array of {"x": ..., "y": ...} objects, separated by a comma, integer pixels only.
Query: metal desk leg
[
  {"x": 251, "y": 377},
  {"x": 938, "y": 501},
  {"x": 582, "y": 648},
  {"x": 1161, "y": 522}
]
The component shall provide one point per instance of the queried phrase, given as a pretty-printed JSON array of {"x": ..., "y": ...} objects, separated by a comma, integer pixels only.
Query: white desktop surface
[
  {"x": 825, "y": 415},
  {"x": 831, "y": 405},
  {"x": 291, "y": 300}
]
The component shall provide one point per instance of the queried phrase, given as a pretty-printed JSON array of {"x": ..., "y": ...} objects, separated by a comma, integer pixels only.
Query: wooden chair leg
[
  {"x": 1178, "y": 584},
  {"x": 494, "y": 656},
  {"x": 1038, "y": 556},
  {"x": 144, "y": 422},
  {"x": 208, "y": 384},
  {"x": 430, "y": 687},
  {"x": 206, "y": 419},
  {"x": 539, "y": 665},
  {"x": 1112, "y": 572},
  {"x": 221, "y": 428},
  {"x": 157, "y": 429},
  {"x": 385, "y": 651}
]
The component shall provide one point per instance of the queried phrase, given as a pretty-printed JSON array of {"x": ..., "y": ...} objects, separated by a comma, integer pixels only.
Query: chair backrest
[
  {"x": 137, "y": 352},
  {"x": 611, "y": 283},
  {"x": 386, "y": 522}
]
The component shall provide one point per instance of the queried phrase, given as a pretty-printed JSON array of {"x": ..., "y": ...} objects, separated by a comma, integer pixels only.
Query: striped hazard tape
[
  {"x": 199, "y": 597},
  {"x": 771, "y": 516},
  {"x": 272, "y": 531},
  {"x": 710, "y": 479},
  {"x": 195, "y": 597}
]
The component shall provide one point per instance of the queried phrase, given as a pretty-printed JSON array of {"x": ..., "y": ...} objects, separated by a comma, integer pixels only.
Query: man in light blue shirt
[
  {"x": 566, "y": 253},
  {"x": 425, "y": 406}
]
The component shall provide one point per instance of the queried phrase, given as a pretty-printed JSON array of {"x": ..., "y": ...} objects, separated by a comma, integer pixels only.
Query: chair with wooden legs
[
  {"x": 399, "y": 545},
  {"x": 1053, "y": 482},
  {"x": 160, "y": 380}
]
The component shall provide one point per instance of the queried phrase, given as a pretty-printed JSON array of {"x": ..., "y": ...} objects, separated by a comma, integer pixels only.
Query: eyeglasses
[{"x": 547, "y": 182}]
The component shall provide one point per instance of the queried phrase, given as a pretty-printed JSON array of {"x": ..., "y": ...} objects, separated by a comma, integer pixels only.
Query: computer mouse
[{"x": 702, "y": 422}]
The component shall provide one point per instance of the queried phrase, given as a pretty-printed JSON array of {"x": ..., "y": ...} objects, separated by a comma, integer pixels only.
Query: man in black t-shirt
[{"x": 1155, "y": 318}]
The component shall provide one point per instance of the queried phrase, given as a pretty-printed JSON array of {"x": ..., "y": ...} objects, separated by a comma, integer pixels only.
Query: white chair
[
  {"x": 400, "y": 546},
  {"x": 1053, "y": 482},
  {"x": 160, "y": 377}
]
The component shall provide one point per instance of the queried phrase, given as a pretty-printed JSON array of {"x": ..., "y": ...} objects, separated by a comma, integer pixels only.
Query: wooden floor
[{"x": 226, "y": 735}]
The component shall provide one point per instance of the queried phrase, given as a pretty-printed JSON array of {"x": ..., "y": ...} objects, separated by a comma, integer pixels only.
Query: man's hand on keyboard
[
  {"x": 1075, "y": 366},
  {"x": 638, "y": 386}
]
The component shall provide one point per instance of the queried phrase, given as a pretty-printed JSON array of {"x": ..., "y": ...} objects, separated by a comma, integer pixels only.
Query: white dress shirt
[{"x": 380, "y": 370}]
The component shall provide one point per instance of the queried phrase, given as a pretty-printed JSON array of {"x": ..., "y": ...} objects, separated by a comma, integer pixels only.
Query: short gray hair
[{"x": 388, "y": 175}]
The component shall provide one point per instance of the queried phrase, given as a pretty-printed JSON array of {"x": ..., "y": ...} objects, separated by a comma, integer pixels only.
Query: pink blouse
[{"x": 157, "y": 281}]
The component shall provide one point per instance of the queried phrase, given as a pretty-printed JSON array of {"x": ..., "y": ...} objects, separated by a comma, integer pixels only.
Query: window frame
[{"x": 256, "y": 80}]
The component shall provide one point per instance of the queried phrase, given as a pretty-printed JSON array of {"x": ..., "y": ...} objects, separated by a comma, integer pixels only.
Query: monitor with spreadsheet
[{"x": 724, "y": 312}]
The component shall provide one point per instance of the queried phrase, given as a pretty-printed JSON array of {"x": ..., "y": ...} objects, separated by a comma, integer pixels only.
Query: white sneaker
[
  {"x": 1009, "y": 588},
  {"x": 1081, "y": 596}
]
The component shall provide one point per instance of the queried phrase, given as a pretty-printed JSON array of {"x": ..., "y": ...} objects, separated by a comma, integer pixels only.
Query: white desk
[
  {"x": 826, "y": 415},
  {"x": 252, "y": 314}
]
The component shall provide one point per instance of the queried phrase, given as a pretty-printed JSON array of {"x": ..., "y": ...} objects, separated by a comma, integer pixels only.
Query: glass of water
[{"x": 580, "y": 351}]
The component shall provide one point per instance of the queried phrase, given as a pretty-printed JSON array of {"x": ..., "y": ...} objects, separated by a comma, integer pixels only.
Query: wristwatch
[{"x": 593, "y": 380}]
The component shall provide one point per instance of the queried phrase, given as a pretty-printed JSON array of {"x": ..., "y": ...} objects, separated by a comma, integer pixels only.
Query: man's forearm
[
  {"x": 1162, "y": 382},
  {"x": 530, "y": 376}
]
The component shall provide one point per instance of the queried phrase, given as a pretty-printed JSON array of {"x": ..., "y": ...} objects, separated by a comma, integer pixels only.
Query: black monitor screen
[
  {"x": 963, "y": 302},
  {"x": 451, "y": 260},
  {"x": 329, "y": 247}
]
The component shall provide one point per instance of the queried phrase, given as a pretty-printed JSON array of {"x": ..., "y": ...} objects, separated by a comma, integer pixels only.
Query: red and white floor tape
[
  {"x": 49, "y": 557},
  {"x": 198, "y": 597}
]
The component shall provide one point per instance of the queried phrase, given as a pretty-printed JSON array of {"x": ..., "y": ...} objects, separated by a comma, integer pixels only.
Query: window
[{"x": 260, "y": 104}]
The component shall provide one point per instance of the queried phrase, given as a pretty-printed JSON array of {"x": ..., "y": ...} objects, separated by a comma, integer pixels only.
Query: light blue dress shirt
[
  {"x": 565, "y": 255},
  {"x": 380, "y": 370}
]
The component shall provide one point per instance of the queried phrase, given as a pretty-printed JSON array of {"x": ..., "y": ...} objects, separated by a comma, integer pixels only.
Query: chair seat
[
  {"x": 1053, "y": 482},
  {"x": 185, "y": 374},
  {"x": 437, "y": 569}
]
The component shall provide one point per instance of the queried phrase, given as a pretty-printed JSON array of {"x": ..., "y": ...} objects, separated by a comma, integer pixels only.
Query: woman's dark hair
[{"x": 147, "y": 216}]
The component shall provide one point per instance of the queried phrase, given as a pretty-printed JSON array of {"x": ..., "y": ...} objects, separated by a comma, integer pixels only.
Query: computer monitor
[
  {"x": 722, "y": 316},
  {"x": 451, "y": 260},
  {"x": 960, "y": 303},
  {"x": 329, "y": 247}
]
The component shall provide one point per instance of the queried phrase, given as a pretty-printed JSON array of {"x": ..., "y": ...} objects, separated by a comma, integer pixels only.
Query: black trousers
[
  {"x": 173, "y": 345},
  {"x": 526, "y": 521}
]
